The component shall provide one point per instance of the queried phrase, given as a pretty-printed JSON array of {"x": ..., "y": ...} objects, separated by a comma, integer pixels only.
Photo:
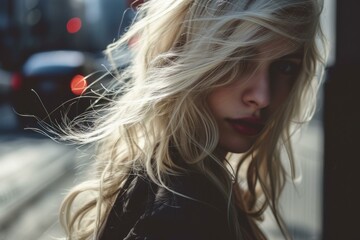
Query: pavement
[
  {"x": 301, "y": 201},
  {"x": 33, "y": 171}
]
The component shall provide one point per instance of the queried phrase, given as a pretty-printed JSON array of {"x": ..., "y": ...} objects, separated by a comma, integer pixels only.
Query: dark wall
[{"x": 342, "y": 130}]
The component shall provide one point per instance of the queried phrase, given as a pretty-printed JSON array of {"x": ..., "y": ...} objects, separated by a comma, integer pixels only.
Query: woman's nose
[{"x": 257, "y": 91}]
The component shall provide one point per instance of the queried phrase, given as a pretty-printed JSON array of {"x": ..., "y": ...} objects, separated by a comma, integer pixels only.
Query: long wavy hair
[{"x": 180, "y": 51}]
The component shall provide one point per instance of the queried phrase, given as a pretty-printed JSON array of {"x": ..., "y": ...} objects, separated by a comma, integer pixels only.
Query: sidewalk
[{"x": 301, "y": 202}]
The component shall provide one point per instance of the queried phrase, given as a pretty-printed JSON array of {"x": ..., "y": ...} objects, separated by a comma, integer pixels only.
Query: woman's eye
[{"x": 285, "y": 68}]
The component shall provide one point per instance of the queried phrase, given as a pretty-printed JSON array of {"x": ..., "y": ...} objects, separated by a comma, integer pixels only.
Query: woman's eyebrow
[{"x": 294, "y": 55}]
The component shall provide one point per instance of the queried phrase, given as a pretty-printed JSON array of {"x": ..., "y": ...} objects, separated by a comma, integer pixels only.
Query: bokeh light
[
  {"x": 73, "y": 25},
  {"x": 78, "y": 84}
]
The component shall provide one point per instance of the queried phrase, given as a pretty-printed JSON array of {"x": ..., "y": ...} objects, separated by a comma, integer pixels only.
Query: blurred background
[{"x": 47, "y": 47}]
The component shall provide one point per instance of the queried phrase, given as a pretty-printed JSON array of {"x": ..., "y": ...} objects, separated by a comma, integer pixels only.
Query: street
[
  {"x": 301, "y": 202},
  {"x": 35, "y": 174}
]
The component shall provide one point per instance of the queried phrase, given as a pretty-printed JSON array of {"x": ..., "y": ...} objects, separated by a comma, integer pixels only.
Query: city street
[
  {"x": 36, "y": 172},
  {"x": 33, "y": 171},
  {"x": 301, "y": 202}
]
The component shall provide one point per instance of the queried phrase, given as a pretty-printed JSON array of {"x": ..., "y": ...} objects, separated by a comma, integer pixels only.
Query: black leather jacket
[{"x": 145, "y": 211}]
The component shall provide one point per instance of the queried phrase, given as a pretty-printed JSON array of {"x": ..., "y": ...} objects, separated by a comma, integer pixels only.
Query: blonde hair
[{"x": 181, "y": 51}]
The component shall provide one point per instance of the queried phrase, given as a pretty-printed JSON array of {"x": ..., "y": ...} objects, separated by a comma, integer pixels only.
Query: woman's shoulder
[
  {"x": 188, "y": 192},
  {"x": 189, "y": 208}
]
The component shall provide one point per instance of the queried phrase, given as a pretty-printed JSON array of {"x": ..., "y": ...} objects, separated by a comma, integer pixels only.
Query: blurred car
[{"x": 53, "y": 84}]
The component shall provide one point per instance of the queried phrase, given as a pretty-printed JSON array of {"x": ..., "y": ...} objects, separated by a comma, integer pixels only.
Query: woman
[{"x": 189, "y": 148}]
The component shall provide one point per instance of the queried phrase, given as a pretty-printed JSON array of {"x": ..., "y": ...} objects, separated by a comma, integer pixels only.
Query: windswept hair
[{"x": 181, "y": 50}]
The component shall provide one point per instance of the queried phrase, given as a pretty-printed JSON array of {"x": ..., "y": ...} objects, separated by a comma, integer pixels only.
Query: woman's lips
[{"x": 247, "y": 126}]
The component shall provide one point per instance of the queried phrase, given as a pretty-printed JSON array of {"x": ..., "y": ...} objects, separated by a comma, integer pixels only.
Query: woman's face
[{"x": 242, "y": 108}]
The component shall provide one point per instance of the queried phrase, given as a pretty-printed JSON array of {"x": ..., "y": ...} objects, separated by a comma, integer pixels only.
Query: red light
[
  {"x": 73, "y": 25},
  {"x": 78, "y": 84},
  {"x": 16, "y": 81}
]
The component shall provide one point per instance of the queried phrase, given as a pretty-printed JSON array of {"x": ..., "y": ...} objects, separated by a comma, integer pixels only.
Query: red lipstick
[{"x": 249, "y": 126}]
